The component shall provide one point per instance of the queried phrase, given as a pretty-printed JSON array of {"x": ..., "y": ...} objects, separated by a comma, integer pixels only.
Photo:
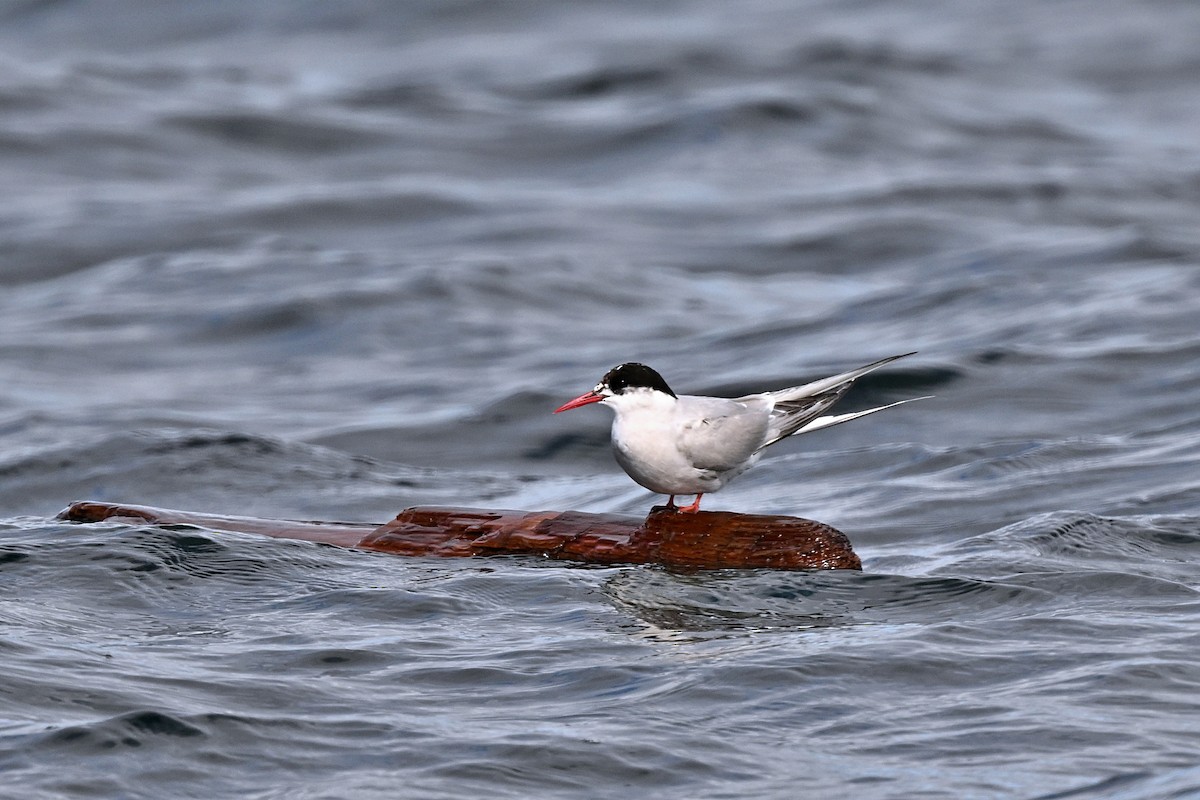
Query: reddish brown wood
[{"x": 705, "y": 540}]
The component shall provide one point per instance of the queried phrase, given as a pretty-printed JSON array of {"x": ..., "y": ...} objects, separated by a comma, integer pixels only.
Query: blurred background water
[{"x": 332, "y": 260}]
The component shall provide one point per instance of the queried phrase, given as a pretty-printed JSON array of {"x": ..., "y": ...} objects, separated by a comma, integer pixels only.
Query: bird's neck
[{"x": 638, "y": 402}]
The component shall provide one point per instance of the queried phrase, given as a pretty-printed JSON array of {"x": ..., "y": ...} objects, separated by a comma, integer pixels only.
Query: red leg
[
  {"x": 694, "y": 507},
  {"x": 671, "y": 502}
]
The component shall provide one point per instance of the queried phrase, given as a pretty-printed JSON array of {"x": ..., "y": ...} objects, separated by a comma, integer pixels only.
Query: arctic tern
[{"x": 690, "y": 444}]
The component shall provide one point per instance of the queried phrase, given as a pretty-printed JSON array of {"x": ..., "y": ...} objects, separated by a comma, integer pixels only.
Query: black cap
[{"x": 634, "y": 376}]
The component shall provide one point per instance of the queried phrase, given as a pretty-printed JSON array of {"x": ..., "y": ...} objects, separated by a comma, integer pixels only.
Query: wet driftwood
[{"x": 705, "y": 540}]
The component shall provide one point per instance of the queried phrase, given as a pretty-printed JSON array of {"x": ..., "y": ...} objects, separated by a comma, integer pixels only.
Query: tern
[{"x": 693, "y": 445}]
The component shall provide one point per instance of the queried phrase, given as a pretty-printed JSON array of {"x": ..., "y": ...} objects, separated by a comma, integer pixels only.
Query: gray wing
[{"x": 721, "y": 434}]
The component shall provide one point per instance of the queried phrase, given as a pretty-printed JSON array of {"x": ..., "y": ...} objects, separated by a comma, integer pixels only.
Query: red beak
[{"x": 582, "y": 400}]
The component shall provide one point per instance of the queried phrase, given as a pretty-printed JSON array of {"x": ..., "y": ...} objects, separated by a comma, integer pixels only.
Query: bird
[{"x": 694, "y": 445}]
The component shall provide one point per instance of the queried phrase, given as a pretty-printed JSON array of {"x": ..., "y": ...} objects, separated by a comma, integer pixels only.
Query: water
[{"x": 316, "y": 261}]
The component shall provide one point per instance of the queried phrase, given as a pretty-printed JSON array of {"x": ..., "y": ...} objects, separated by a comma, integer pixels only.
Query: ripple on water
[{"x": 749, "y": 600}]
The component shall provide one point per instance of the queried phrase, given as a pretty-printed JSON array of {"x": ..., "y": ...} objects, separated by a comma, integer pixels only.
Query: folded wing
[{"x": 724, "y": 433}]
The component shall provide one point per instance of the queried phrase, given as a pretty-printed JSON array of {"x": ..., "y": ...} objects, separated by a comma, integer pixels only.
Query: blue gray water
[{"x": 328, "y": 261}]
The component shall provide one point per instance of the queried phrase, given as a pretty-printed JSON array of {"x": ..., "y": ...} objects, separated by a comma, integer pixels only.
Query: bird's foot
[{"x": 692, "y": 509}]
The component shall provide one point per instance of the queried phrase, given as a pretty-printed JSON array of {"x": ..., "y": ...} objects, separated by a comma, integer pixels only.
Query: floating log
[{"x": 704, "y": 540}]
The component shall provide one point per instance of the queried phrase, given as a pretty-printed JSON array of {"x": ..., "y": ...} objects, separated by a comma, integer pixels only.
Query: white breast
[{"x": 661, "y": 443}]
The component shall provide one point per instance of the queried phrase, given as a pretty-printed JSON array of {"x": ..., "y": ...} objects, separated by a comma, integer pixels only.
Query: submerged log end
[
  {"x": 90, "y": 511},
  {"x": 343, "y": 534}
]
